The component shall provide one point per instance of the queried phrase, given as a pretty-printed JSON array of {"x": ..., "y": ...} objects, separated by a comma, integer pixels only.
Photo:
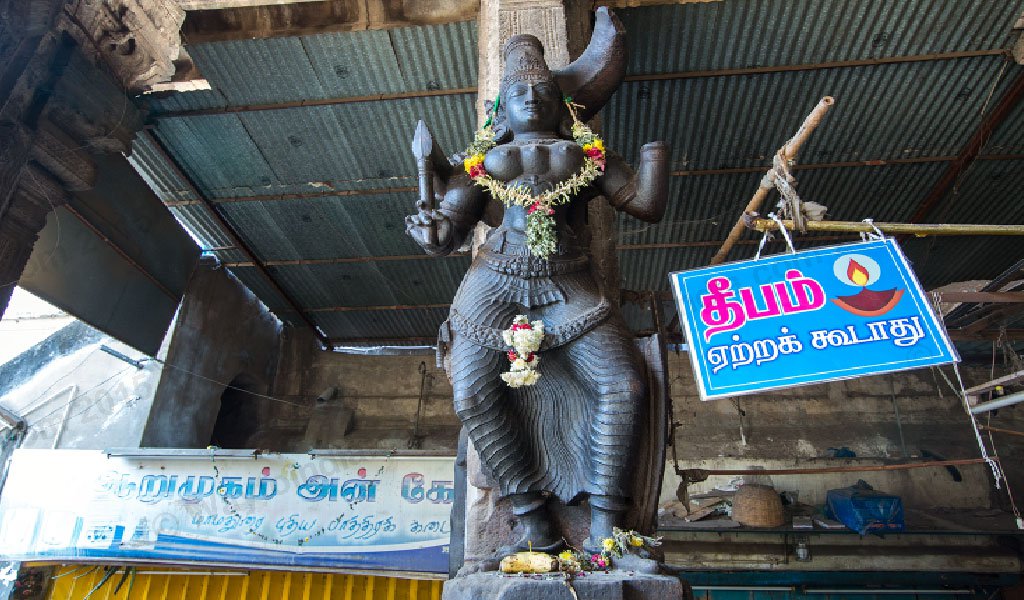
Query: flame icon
[
  {"x": 857, "y": 273},
  {"x": 861, "y": 271}
]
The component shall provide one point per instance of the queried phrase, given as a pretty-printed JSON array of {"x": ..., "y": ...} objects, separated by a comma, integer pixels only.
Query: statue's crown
[{"x": 524, "y": 61}]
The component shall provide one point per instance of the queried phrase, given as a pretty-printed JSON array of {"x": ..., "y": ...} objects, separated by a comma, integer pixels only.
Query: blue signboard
[
  {"x": 369, "y": 513},
  {"x": 818, "y": 315}
]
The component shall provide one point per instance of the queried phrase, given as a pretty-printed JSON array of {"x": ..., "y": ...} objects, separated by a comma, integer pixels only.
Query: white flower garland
[{"x": 525, "y": 339}]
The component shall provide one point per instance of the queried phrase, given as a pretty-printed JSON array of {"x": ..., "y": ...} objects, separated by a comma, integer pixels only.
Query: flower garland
[
  {"x": 525, "y": 339},
  {"x": 540, "y": 221}
]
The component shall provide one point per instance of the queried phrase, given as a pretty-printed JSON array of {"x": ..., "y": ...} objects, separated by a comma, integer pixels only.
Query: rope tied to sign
[
  {"x": 868, "y": 236},
  {"x": 767, "y": 235}
]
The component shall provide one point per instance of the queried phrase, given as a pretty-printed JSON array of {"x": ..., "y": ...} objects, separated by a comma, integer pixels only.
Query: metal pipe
[
  {"x": 12, "y": 419},
  {"x": 787, "y": 153},
  {"x": 743, "y": 588},
  {"x": 843, "y": 469},
  {"x": 918, "y": 229},
  {"x": 866, "y": 590},
  {"x": 1000, "y": 430},
  {"x": 64, "y": 418},
  {"x": 1000, "y": 403}
]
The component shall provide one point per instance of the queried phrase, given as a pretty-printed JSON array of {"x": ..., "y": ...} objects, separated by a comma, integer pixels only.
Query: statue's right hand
[{"x": 420, "y": 225}]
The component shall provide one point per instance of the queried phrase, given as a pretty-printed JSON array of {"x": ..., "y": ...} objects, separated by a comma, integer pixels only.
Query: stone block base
[{"x": 615, "y": 585}]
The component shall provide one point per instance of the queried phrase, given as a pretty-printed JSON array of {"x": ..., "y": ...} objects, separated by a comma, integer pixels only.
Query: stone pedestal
[{"x": 614, "y": 585}]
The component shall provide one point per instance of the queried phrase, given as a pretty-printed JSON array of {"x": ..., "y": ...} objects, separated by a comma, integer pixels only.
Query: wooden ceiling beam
[{"x": 220, "y": 20}]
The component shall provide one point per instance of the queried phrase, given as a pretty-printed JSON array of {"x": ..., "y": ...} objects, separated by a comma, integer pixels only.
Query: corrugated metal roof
[
  {"x": 988, "y": 192},
  {"x": 383, "y": 283},
  {"x": 348, "y": 146},
  {"x": 331, "y": 65},
  {"x": 882, "y": 112},
  {"x": 265, "y": 292},
  {"x": 382, "y": 323},
  {"x": 721, "y": 35},
  {"x": 331, "y": 227}
]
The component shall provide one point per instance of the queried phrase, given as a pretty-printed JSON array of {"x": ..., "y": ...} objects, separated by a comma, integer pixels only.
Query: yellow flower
[
  {"x": 608, "y": 544},
  {"x": 599, "y": 144},
  {"x": 635, "y": 541},
  {"x": 565, "y": 555},
  {"x": 587, "y": 147},
  {"x": 472, "y": 161}
]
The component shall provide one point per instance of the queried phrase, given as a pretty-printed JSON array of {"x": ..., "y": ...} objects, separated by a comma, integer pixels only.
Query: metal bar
[
  {"x": 743, "y": 588},
  {"x": 651, "y": 77},
  {"x": 302, "y": 196},
  {"x": 681, "y": 173},
  {"x": 917, "y": 229},
  {"x": 971, "y": 149},
  {"x": 341, "y": 261},
  {"x": 307, "y": 103},
  {"x": 999, "y": 403},
  {"x": 230, "y": 232},
  {"x": 845, "y": 468},
  {"x": 64, "y": 419},
  {"x": 374, "y": 308},
  {"x": 121, "y": 252},
  {"x": 12, "y": 419},
  {"x": 872, "y": 591},
  {"x": 1010, "y": 335},
  {"x": 787, "y": 153},
  {"x": 994, "y": 285},
  {"x": 818, "y": 66},
  {"x": 625, "y": 247},
  {"x": 1011, "y": 297},
  {"x": 989, "y": 385},
  {"x": 999, "y": 430},
  {"x": 815, "y": 166}
]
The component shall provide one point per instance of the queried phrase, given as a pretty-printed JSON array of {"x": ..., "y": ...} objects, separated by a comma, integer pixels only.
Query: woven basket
[{"x": 757, "y": 506}]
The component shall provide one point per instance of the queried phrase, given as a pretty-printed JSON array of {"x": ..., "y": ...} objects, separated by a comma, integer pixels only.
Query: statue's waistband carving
[
  {"x": 490, "y": 337},
  {"x": 530, "y": 266}
]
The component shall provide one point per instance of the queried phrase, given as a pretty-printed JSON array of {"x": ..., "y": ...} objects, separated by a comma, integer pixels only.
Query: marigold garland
[{"x": 540, "y": 222}]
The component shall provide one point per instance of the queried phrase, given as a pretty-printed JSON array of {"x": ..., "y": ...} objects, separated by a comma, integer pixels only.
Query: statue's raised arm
[
  {"x": 439, "y": 230},
  {"x": 642, "y": 193}
]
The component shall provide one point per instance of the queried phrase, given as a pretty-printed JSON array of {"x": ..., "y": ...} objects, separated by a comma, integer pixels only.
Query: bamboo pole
[
  {"x": 787, "y": 154},
  {"x": 918, "y": 229}
]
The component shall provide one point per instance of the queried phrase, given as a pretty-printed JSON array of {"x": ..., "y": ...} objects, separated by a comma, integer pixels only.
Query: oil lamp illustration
[{"x": 861, "y": 271}]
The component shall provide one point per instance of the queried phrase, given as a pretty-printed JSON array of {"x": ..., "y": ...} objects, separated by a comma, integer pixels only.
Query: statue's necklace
[{"x": 540, "y": 220}]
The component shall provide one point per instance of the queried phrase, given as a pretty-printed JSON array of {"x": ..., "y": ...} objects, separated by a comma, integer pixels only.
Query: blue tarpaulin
[{"x": 865, "y": 510}]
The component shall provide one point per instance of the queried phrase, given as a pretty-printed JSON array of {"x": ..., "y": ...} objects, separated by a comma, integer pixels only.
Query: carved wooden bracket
[{"x": 140, "y": 40}]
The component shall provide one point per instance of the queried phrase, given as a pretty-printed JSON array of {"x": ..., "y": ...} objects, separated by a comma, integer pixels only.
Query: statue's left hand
[{"x": 419, "y": 227}]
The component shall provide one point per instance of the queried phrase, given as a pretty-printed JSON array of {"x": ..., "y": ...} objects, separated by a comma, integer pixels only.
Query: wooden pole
[{"x": 787, "y": 154}]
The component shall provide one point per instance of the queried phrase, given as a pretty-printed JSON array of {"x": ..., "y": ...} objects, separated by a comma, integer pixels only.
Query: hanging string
[
  {"x": 867, "y": 236},
  {"x": 767, "y": 235},
  {"x": 993, "y": 461}
]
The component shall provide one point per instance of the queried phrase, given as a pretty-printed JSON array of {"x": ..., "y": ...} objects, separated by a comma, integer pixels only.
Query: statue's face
[{"x": 533, "y": 107}]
